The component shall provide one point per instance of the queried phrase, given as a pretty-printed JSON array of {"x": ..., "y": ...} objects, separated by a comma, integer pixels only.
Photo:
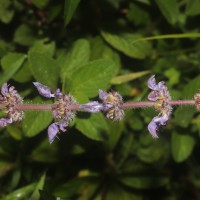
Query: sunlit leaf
[
  {"x": 36, "y": 121},
  {"x": 128, "y": 77},
  {"x": 11, "y": 63},
  {"x": 124, "y": 42},
  {"x": 91, "y": 77}
]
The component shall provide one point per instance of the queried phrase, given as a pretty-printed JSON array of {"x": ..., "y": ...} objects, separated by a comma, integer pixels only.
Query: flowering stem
[
  {"x": 137, "y": 104},
  {"x": 127, "y": 105},
  {"x": 42, "y": 107},
  {"x": 150, "y": 103},
  {"x": 39, "y": 107},
  {"x": 182, "y": 102}
]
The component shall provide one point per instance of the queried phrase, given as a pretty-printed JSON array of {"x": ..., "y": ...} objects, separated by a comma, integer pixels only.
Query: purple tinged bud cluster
[
  {"x": 43, "y": 90},
  {"x": 111, "y": 105},
  {"x": 92, "y": 107},
  {"x": 61, "y": 109},
  {"x": 160, "y": 95},
  {"x": 197, "y": 100},
  {"x": 10, "y": 98}
]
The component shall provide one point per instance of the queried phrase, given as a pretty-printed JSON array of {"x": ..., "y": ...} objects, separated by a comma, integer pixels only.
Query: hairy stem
[{"x": 126, "y": 105}]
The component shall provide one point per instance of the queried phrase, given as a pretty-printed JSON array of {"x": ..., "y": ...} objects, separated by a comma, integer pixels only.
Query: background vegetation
[{"x": 82, "y": 46}]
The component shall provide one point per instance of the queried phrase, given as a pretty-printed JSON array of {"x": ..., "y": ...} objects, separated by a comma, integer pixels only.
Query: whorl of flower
[
  {"x": 160, "y": 95},
  {"x": 62, "y": 109},
  {"x": 10, "y": 99},
  {"x": 197, "y": 100},
  {"x": 111, "y": 105}
]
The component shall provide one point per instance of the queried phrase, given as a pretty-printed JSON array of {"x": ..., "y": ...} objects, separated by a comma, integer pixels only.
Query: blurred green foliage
[{"x": 82, "y": 46}]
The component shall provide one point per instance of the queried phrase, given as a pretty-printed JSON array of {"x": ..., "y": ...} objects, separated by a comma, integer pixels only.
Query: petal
[
  {"x": 52, "y": 132},
  {"x": 152, "y": 83},
  {"x": 162, "y": 86},
  {"x": 103, "y": 95},
  {"x": 152, "y": 127},
  {"x": 92, "y": 107},
  {"x": 43, "y": 90},
  {"x": 4, "y": 89},
  {"x": 5, "y": 121},
  {"x": 62, "y": 125},
  {"x": 106, "y": 106},
  {"x": 156, "y": 123},
  {"x": 58, "y": 93},
  {"x": 153, "y": 96},
  {"x": 163, "y": 120}
]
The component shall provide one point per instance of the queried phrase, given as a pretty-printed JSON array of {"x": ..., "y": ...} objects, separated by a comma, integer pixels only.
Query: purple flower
[
  {"x": 156, "y": 123},
  {"x": 4, "y": 122},
  {"x": 111, "y": 105},
  {"x": 54, "y": 129},
  {"x": 160, "y": 95},
  {"x": 43, "y": 90},
  {"x": 152, "y": 83},
  {"x": 92, "y": 107},
  {"x": 103, "y": 95},
  {"x": 63, "y": 109},
  {"x": 4, "y": 89}
]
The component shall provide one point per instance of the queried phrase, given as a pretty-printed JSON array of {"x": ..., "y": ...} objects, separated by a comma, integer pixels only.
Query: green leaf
[
  {"x": 169, "y": 9},
  {"x": 15, "y": 132},
  {"x": 21, "y": 193},
  {"x": 124, "y": 150},
  {"x": 4, "y": 48},
  {"x": 173, "y": 75},
  {"x": 6, "y": 11},
  {"x": 91, "y": 77},
  {"x": 192, "y": 7},
  {"x": 184, "y": 115},
  {"x": 128, "y": 77},
  {"x": 44, "y": 68},
  {"x": 36, "y": 121},
  {"x": 114, "y": 134},
  {"x": 144, "y": 182},
  {"x": 40, "y": 3},
  {"x": 39, "y": 186},
  {"x": 116, "y": 192},
  {"x": 82, "y": 185},
  {"x": 125, "y": 43},
  {"x": 24, "y": 74},
  {"x": 24, "y": 35},
  {"x": 101, "y": 50},
  {"x": 69, "y": 9},
  {"x": 74, "y": 59},
  {"x": 137, "y": 15},
  {"x": 169, "y": 36},
  {"x": 93, "y": 127},
  {"x": 44, "y": 195},
  {"x": 181, "y": 146},
  {"x": 5, "y": 167},
  {"x": 11, "y": 64},
  {"x": 151, "y": 151},
  {"x": 44, "y": 46}
]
